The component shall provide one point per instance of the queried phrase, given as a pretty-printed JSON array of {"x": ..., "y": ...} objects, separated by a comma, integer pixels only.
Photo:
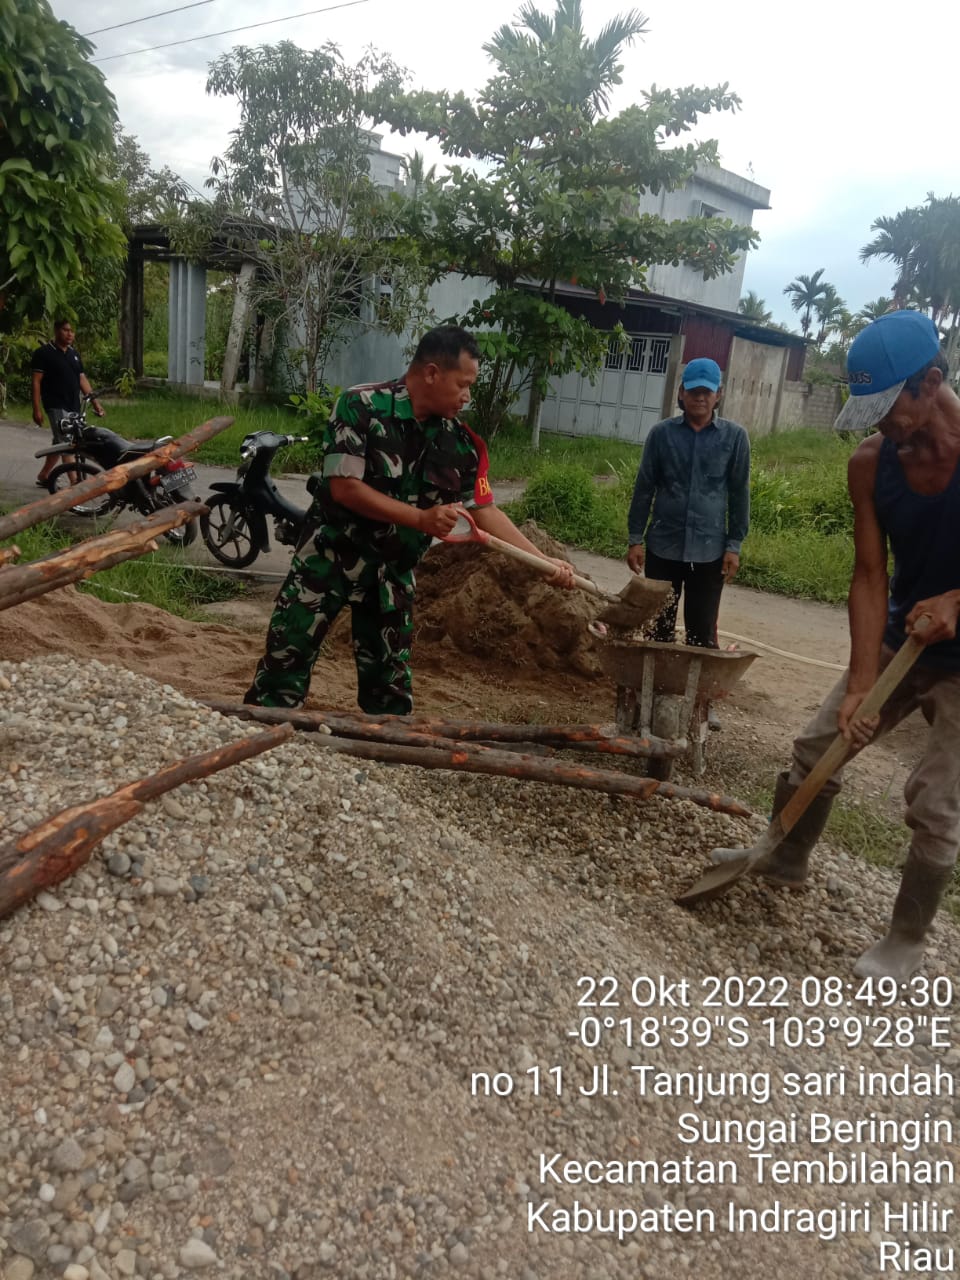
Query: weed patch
[{"x": 163, "y": 579}]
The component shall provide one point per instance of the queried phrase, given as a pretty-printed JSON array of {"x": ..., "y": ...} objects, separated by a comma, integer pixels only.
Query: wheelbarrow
[{"x": 664, "y": 691}]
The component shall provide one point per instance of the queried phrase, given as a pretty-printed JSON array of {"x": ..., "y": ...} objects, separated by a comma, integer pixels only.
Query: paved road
[
  {"x": 19, "y": 467},
  {"x": 815, "y": 629},
  {"x": 18, "y": 470}
]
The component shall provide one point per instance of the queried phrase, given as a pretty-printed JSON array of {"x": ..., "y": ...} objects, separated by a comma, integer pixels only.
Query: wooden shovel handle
[
  {"x": 839, "y": 749},
  {"x": 546, "y": 567}
]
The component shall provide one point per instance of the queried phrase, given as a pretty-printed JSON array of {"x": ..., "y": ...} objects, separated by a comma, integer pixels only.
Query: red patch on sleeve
[{"x": 482, "y": 492}]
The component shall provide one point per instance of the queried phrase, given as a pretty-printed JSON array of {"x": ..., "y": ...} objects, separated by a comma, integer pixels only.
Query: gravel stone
[{"x": 242, "y": 1036}]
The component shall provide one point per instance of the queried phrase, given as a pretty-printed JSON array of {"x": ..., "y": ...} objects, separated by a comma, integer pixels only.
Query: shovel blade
[{"x": 715, "y": 882}]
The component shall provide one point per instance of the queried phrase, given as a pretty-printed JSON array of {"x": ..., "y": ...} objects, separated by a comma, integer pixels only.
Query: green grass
[
  {"x": 152, "y": 413},
  {"x": 798, "y": 562},
  {"x": 161, "y": 579},
  {"x": 800, "y": 542},
  {"x": 801, "y": 535},
  {"x": 511, "y": 457}
]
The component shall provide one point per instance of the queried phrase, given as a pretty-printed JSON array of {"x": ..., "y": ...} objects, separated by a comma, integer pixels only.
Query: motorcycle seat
[{"x": 123, "y": 450}]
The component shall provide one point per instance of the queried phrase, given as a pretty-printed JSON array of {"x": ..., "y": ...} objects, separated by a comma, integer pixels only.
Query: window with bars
[
  {"x": 644, "y": 355},
  {"x": 659, "y": 355},
  {"x": 614, "y": 357}
]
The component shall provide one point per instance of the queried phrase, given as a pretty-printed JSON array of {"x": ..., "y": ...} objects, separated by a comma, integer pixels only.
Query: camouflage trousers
[{"x": 318, "y": 586}]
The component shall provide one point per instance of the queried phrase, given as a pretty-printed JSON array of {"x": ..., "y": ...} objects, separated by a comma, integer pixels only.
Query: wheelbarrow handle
[{"x": 545, "y": 567}]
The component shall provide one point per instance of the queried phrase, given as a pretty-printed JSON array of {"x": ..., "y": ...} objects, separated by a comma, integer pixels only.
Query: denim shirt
[{"x": 698, "y": 483}]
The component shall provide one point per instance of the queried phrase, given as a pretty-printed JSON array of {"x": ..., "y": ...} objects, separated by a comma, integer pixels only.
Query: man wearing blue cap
[
  {"x": 695, "y": 475},
  {"x": 904, "y": 482}
]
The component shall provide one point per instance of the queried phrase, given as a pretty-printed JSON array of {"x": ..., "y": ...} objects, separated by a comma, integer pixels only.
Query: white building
[{"x": 712, "y": 192}]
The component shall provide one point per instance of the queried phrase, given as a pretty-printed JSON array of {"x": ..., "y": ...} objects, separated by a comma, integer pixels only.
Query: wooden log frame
[
  {"x": 57, "y": 847},
  {"x": 474, "y": 759},
  {"x": 19, "y": 583},
  {"x": 432, "y": 751},
  {"x": 346, "y": 724},
  {"x": 56, "y": 504}
]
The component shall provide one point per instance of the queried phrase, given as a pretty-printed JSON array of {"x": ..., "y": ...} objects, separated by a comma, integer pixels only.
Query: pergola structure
[{"x": 186, "y": 336}]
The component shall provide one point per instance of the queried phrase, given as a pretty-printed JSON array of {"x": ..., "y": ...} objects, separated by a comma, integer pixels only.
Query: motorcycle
[
  {"x": 235, "y": 527},
  {"x": 96, "y": 449}
]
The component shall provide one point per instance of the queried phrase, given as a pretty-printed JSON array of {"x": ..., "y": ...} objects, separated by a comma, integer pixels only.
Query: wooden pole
[
  {"x": 474, "y": 759},
  {"x": 23, "y": 582},
  {"x": 424, "y": 750},
  {"x": 56, "y": 504},
  {"x": 576, "y": 737},
  {"x": 50, "y": 852},
  {"x": 43, "y": 588}
]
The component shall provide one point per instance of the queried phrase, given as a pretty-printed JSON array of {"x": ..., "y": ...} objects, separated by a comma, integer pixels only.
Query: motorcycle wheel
[
  {"x": 63, "y": 477},
  {"x": 227, "y": 533},
  {"x": 184, "y": 534}
]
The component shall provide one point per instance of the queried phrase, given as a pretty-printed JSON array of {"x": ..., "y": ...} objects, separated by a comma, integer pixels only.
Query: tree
[
  {"x": 57, "y": 205},
  {"x": 296, "y": 175},
  {"x": 830, "y": 309},
  {"x": 549, "y": 195},
  {"x": 875, "y": 309},
  {"x": 923, "y": 243},
  {"x": 149, "y": 194},
  {"x": 804, "y": 293},
  {"x": 753, "y": 307}
]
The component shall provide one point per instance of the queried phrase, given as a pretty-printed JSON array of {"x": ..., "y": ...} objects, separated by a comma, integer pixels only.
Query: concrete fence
[{"x": 806, "y": 404}]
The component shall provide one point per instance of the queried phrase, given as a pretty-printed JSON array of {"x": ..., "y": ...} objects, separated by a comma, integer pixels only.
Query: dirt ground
[{"x": 493, "y": 642}]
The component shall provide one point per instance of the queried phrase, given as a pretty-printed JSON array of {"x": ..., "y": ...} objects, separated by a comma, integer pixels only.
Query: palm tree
[
  {"x": 804, "y": 293},
  {"x": 830, "y": 307},
  {"x": 898, "y": 241},
  {"x": 537, "y": 32},
  {"x": 875, "y": 309},
  {"x": 846, "y": 327},
  {"x": 753, "y": 307}
]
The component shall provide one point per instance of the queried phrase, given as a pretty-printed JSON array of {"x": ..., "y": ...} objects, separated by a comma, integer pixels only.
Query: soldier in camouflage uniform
[{"x": 396, "y": 461}]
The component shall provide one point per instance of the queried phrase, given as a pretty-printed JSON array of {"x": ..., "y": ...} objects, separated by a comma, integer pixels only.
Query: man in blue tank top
[{"x": 904, "y": 481}]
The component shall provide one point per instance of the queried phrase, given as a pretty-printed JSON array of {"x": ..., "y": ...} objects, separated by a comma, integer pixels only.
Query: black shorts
[{"x": 55, "y": 416}]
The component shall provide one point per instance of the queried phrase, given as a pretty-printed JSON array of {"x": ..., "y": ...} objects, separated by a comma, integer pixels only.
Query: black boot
[
  {"x": 900, "y": 954},
  {"x": 787, "y": 864}
]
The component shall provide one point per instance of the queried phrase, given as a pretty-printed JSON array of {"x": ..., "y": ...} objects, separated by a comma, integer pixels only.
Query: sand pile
[
  {"x": 492, "y": 607},
  {"x": 479, "y": 602},
  {"x": 201, "y": 658}
]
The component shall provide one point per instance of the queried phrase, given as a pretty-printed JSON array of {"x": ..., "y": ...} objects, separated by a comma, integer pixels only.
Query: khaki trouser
[{"x": 932, "y": 791}]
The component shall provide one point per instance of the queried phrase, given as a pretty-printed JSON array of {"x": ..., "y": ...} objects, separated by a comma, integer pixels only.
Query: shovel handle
[
  {"x": 542, "y": 566},
  {"x": 839, "y": 749},
  {"x": 546, "y": 567}
]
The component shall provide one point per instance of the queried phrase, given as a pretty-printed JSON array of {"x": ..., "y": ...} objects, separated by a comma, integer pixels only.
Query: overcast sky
[{"x": 844, "y": 114}]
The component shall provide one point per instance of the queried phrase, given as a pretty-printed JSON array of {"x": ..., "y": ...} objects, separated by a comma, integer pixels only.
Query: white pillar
[{"x": 187, "y": 323}]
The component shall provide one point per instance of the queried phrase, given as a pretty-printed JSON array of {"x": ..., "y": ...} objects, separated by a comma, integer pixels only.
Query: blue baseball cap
[
  {"x": 702, "y": 373},
  {"x": 880, "y": 360}
]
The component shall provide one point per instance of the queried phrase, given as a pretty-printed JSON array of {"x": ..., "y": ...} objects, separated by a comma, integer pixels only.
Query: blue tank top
[{"x": 924, "y": 535}]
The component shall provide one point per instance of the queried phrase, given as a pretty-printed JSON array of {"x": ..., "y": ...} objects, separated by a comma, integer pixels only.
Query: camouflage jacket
[{"x": 373, "y": 436}]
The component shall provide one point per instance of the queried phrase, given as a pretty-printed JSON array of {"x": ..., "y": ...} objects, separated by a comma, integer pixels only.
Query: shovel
[
  {"x": 637, "y": 603},
  {"x": 734, "y": 863}
]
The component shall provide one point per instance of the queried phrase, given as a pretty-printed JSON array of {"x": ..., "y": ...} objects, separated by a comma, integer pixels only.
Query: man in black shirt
[{"x": 58, "y": 380}]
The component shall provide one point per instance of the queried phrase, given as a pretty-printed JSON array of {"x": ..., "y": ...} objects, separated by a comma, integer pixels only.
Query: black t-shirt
[{"x": 60, "y": 387}]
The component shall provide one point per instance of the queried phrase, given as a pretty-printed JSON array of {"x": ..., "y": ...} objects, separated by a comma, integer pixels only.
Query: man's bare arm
[
  {"x": 867, "y": 600},
  {"x": 492, "y": 520},
  {"x": 37, "y": 406}
]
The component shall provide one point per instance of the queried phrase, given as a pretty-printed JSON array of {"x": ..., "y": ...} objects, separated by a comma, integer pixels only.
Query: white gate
[{"x": 624, "y": 402}]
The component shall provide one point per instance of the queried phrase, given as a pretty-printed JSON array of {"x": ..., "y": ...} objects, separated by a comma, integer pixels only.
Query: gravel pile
[{"x": 241, "y": 1041}]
